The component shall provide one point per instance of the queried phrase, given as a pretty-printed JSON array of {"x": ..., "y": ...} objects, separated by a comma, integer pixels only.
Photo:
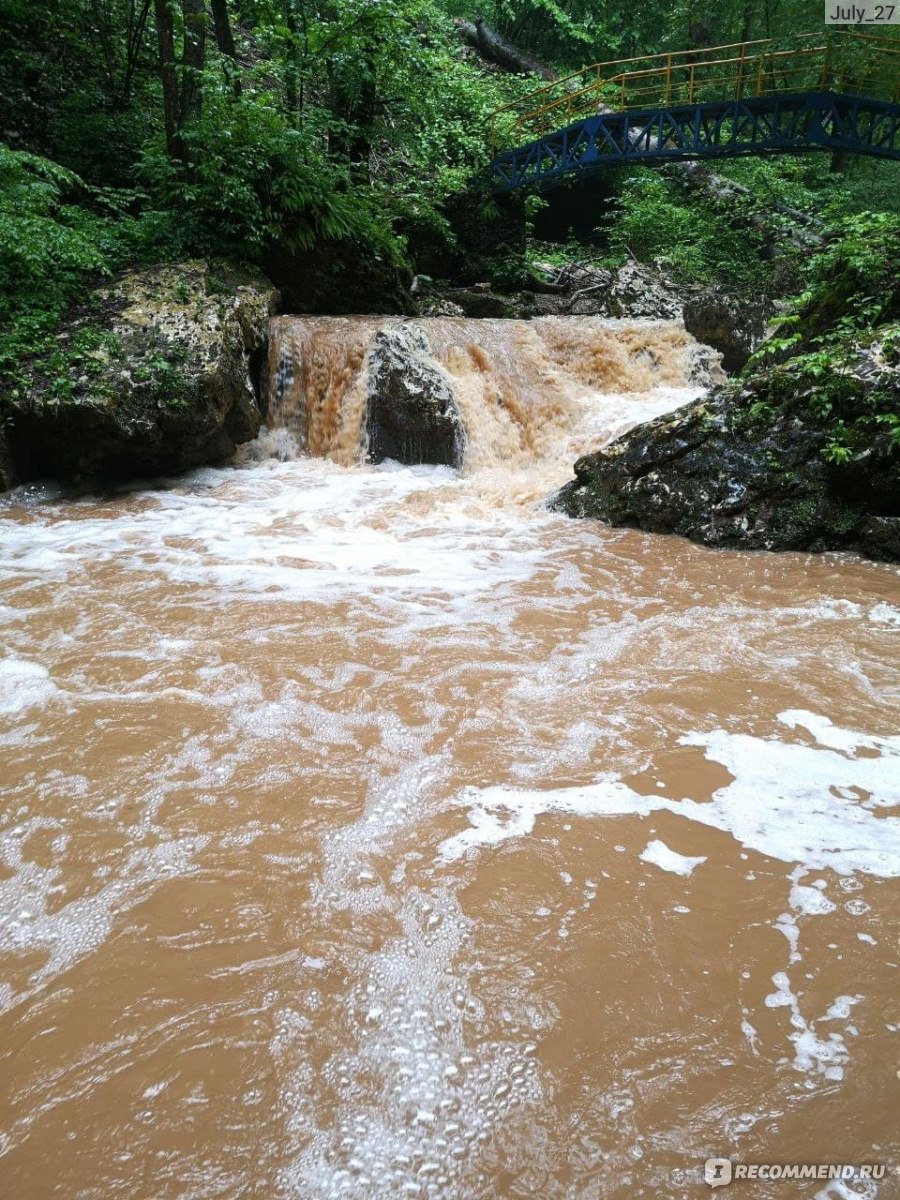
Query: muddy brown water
[{"x": 374, "y": 832}]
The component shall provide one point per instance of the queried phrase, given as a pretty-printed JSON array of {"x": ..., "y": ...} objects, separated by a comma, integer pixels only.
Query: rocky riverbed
[{"x": 162, "y": 370}]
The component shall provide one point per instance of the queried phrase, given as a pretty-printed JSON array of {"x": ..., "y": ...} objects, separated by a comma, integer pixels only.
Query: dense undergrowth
[{"x": 834, "y": 358}]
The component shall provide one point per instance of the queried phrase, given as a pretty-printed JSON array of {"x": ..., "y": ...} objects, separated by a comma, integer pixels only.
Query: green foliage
[
  {"x": 855, "y": 281},
  {"x": 56, "y": 235},
  {"x": 45, "y": 240},
  {"x": 346, "y": 123},
  {"x": 835, "y": 360},
  {"x": 256, "y": 181},
  {"x": 48, "y": 246},
  {"x": 733, "y": 236},
  {"x": 577, "y": 31},
  {"x": 654, "y": 219}
]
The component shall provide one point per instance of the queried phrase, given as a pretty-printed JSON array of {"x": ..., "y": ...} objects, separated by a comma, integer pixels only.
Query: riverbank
[{"x": 802, "y": 451}]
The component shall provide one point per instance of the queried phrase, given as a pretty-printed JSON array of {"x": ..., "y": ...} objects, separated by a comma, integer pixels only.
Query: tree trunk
[
  {"x": 225, "y": 40},
  {"x": 357, "y": 110},
  {"x": 499, "y": 50},
  {"x": 137, "y": 23},
  {"x": 165, "y": 39},
  {"x": 292, "y": 70},
  {"x": 192, "y": 60},
  {"x": 696, "y": 176},
  {"x": 222, "y": 24},
  {"x": 840, "y": 161},
  {"x": 182, "y": 103}
]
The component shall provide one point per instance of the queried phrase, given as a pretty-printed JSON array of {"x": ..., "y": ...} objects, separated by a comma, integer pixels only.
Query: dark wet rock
[
  {"x": 633, "y": 291},
  {"x": 7, "y": 472},
  {"x": 153, "y": 375},
  {"x": 485, "y": 303},
  {"x": 880, "y": 538},
  {"x": 730, "y": 323},
  {"x": 712, "y": 473},
  {"x": 412, "y": 414},
  {"x": 480, "y": 303}
]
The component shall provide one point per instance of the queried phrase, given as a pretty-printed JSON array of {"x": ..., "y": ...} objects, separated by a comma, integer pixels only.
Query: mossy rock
[
  {"x": 153, "y": 374},
  {"x": 711, "y": 473}
]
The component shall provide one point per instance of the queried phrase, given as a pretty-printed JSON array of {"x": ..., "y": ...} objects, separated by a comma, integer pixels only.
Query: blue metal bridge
[{"x": 731, "y": 101}]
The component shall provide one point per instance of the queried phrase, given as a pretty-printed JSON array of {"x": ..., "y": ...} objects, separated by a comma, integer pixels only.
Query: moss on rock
[
  {"x": 152, "y": 374},
  {"x": 804, "y": 453},
  {"x": 722, "y": 474}
]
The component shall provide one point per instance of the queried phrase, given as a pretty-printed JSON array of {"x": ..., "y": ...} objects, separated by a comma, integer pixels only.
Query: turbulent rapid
[{"x": 373, "y": 831}]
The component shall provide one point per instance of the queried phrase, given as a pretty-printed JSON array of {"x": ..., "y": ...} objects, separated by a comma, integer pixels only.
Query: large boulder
[
  {"x": 880, "y": 538},
  {"x": 732, "y": 324},
  {"x": 713, "y": 473},
  {"x": 412, "y": 414},
  {"x": 637, "y": 290},
  {"x": 632, "y": 291},
  {"x": 154, "y": 374}
]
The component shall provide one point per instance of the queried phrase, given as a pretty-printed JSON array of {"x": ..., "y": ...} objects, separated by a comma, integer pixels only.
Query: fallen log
[
  {"x": 500, "y": 51},
  {"x": 697, "y": 177}
]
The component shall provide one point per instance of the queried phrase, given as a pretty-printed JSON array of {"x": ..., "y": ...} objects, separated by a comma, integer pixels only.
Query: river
[{"x": 375, "y": 832}]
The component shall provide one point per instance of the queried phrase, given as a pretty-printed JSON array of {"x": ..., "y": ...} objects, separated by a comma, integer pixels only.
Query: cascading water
[
  {"x": 531, "y": 394},
  {"x": 374, "y": 832}
]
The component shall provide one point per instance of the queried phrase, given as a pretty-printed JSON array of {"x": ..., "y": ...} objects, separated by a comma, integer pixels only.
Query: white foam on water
[
  {"x": 854, "y": 1189},
  {"x": 782, "y": 802},
  {"x": 24, "y": 685},
  {"x": 29, "y": 920},
  {"x": 839, "y": 1009},
  {"x": 826, "y": 1056},
  {"x": 413, "y": 1086},
  {"x": 415, "y": 1108},
  {"x": 803, "y": 900},
  {"x": 848, "y": 741},
  {"x": 885, "y": 614},
  {"x": 498, "y": 814},
  {"x": 751, "y": 1036},
  {"x": 810, "y": 901},
  {"x": 659, "y": 854},
  {"x": 307, "y": 530}
]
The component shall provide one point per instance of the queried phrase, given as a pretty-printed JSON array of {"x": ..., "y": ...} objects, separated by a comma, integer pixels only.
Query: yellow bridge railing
[{"x": 861, "y": 64}]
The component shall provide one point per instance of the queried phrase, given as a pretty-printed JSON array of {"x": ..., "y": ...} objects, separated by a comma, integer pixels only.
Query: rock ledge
[{"x": 153, "y": 375}]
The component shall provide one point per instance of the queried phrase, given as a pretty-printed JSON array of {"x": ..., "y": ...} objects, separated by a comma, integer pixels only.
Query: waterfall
[{"x": 526, "y": 392}]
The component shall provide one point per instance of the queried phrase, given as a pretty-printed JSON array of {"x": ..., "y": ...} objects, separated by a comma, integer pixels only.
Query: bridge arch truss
[{"x": 775, "y": 124}]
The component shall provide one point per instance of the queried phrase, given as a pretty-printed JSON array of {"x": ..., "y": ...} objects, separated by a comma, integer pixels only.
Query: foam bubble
[
  {"x": 885, "y": 614},
  {"x": 24, "y": 685},
  {"x": 658, "y": 853},
  {"x": 825, "y": 1056}
]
